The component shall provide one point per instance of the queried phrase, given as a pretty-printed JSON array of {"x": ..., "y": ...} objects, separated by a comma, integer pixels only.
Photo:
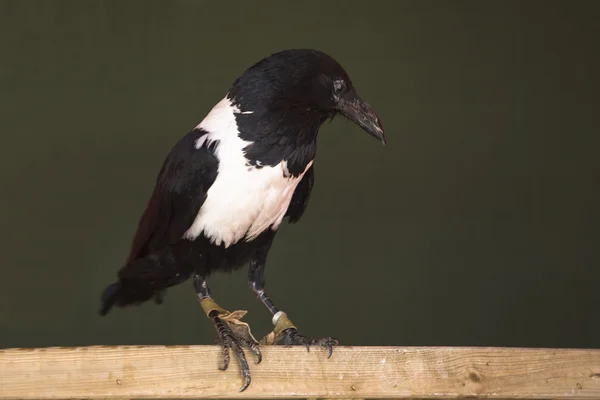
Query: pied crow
[{"x": 226, "y": 186}]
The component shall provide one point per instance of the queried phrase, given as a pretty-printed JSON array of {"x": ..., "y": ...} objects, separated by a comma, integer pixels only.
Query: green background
[{"x": 477, "y": 224}]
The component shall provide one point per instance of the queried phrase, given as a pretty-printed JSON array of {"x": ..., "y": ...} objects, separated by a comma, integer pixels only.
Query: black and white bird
[{"x": 225, "y": 188}]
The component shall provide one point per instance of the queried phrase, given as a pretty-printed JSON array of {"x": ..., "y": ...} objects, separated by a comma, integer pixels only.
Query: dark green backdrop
[{"x": 476, "y": 225}]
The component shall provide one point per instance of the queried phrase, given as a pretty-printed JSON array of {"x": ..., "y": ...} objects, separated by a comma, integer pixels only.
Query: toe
[
  {"x": 226, "y": 357},
  {"x": 326, "y": 343},
  {"x": 245, "y": 369}
]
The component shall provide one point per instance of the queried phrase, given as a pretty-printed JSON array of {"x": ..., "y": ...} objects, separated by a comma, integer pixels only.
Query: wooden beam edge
[{"x": 165, "y": 372}]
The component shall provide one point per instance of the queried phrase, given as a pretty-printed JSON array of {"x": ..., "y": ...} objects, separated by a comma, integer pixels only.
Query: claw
[
  {"x": 246, "y": 383},
  {"x": 328, "y": 344},
  {"x": 256, "y": 351}
]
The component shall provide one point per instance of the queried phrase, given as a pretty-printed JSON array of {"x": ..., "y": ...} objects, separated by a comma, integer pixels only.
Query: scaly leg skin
[
  {"x": 230, "y": 339},
  {"x": 285, "y": 332}
]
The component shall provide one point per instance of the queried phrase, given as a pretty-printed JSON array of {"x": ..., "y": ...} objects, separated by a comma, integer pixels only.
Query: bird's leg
[
  {"x": 233, "y": 334},
  {"x": 285, "y": 332}
]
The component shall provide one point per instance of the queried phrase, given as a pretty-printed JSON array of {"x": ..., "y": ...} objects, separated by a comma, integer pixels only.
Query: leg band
[
  {"x": 209, "y": 305},
  {"x": 281, "y": 322}
]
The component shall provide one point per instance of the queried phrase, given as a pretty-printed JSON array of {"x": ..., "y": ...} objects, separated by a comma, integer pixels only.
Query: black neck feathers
[{"x": 289, "y": 135}]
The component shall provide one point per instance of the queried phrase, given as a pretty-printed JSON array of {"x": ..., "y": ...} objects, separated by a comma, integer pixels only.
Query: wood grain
[{"x": 286, "y": 372}]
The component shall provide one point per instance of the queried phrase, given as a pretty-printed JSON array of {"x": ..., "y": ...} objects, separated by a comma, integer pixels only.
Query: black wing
[
  {"x": 301, "y": 195},
  {"x": 181, "y": 187}
]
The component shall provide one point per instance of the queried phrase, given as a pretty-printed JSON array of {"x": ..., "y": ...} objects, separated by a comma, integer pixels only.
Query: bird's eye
[{"x": 338, "y": 86}]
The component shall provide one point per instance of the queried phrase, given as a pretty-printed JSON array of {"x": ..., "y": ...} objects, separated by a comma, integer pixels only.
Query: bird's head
[{"x": 301, "y": 84}]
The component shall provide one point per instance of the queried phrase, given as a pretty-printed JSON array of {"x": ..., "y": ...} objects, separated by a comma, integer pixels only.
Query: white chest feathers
[{"x": 244, "y": 200}]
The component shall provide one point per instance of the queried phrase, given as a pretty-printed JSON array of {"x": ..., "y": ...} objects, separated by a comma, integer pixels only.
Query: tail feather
[
  {"x": 124, "y": 294},
  {"x": 142, "y": 280},
  {"x": 109, "y": 297}
]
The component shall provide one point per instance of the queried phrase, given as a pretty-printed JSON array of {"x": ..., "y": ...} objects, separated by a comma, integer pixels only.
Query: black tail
[
  {"x": 142, "y": 280},
  {"x": 126, "y": 294}
]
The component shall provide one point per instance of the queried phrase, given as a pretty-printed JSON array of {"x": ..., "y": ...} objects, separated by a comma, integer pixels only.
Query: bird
[{"x": 225, "y": 188}]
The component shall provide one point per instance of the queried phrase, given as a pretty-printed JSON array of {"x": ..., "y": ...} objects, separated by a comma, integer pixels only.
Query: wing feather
[
  {"x": 181, "y": 187},
  {"x": 301, "y": 195}
]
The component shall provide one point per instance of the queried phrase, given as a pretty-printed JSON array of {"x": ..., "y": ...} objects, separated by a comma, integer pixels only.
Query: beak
[{"x": 360, "y": 112}]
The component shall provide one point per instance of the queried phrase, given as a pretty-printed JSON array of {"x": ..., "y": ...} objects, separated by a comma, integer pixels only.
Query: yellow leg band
[
  {"x": 209, "y": 305},
  {"x": 283, "y": 323}
]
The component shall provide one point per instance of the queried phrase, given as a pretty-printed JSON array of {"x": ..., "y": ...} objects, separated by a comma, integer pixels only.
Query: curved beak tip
[{"x": 377, "y": 130}]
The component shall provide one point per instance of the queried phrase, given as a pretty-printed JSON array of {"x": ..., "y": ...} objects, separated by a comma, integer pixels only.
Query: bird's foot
[
  {"x": 290, "y": 336},
  {"x": 285, "y": 333},
  {"x": 234, "y": 335}
]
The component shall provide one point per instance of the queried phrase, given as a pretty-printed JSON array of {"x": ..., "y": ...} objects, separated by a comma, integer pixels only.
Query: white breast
[{"x": 244, "y": 200}]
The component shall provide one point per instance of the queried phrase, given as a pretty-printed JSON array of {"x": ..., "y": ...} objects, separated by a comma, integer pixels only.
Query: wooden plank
[{"x": 286, "y": 372}]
